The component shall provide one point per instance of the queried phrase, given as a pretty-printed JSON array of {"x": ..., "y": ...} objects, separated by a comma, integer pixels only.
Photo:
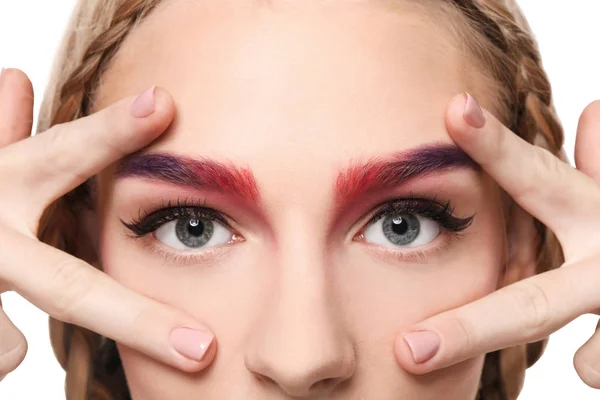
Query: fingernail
[
  {"x": 473, "y": 114},
  {"x": 423, "y": 345},
  {"x": 143, "y": 105},
  {"x": 191, "y": 343}
]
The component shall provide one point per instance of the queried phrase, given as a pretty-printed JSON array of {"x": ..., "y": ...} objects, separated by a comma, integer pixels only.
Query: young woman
[{"x": 311, "y": 184}]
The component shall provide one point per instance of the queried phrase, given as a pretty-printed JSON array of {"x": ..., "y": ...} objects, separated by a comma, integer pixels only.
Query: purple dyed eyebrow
[
  {"x": 378, "y": 174},
  {"x": 196, "y": 173},
  {"x": 351, "y": 183}
]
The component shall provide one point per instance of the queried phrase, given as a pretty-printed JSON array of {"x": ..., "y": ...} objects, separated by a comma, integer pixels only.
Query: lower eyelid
[
  {"x": 412, "y": 254},
  {"x": 208, "y": 255},
  {"x": 154, "y": 247}
]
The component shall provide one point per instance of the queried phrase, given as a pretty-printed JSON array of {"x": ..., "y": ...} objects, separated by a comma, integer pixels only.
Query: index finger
[
  {"x": 524, "y": 312},
  {"x": 543, "y": 185},
  {"x": 71, "y": 290},
  {"x": 48, "y": 165}
]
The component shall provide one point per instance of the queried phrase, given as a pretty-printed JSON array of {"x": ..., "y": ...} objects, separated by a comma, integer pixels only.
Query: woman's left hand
[{"x": 567, "y": 201}]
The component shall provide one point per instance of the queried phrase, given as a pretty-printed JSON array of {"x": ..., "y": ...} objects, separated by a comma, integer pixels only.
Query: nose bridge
[{"x": 301, "y": 344}]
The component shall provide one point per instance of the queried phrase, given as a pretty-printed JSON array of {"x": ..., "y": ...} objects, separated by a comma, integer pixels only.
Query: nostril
[
  {"x": 326, "y": 383},
  {"x": 320, "y": 386},
  {"x": 264, "y": 379}
]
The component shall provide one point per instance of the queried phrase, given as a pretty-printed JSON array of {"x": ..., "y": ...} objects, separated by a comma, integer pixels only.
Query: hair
[{"x": 493, "y": 32}]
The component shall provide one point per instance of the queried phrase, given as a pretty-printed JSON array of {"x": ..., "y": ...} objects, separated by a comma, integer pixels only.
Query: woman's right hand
[{"x": 37, "y": 170}]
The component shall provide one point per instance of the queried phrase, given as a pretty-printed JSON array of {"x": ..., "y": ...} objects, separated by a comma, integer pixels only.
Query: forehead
[{"x": 334, "y": 80}]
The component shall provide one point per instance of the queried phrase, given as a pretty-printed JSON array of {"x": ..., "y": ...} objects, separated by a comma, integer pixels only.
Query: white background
[{"x": 569, "y": 37}]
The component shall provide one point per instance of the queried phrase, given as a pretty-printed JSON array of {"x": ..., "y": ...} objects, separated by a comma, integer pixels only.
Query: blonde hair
[{"x": 493, "y": 31}]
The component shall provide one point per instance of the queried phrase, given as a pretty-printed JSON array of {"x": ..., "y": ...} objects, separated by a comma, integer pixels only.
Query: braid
[
  {"x": 515, "y": 62},
  {"x": 506, "y": 49},
  {"x": 77, "y": 92},
  {"x": 528, "y": 94},
  {"x": 77, "y": 348}
]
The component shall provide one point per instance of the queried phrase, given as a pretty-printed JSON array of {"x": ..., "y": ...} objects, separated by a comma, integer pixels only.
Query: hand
[
  {"x": 567, "y": 201},
  {"x": 35, "y": 171}
]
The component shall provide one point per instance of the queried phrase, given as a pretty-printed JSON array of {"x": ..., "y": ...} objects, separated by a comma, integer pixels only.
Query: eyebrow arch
[
  {"x": 196, "y": 173},
  {"x": 378, "y": 174}
]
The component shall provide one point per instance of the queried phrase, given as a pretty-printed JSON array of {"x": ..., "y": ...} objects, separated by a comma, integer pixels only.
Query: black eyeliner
[
  {"x": 438, "y": 212},
  {"x": 150, "y": 221}
]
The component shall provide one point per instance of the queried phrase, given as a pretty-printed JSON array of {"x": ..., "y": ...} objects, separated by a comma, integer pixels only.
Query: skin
[
  {"x": 300, "y": 308},
  {"x": 37, "y": 170}
]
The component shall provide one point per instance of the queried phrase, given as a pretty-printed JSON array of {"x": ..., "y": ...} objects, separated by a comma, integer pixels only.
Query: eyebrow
[
  {"x": 379, "y": 174},
  {"x": 351, "y": 183},
  {"x": 196, "y": 173}
]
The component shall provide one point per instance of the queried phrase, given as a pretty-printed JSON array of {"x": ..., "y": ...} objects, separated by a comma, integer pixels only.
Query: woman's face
[{"x": 297, "y": 123}]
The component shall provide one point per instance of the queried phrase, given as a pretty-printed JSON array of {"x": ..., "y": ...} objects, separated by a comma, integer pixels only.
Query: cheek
[
  {"x": 148, "y": 379},
  {"x": 221, "y": 295},
  {"x": 383, "y": 299},
  {"x": 227, "y": 297}
]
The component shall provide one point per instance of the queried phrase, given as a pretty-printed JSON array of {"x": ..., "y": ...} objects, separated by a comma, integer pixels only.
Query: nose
[{"x": 300, "y": 345}]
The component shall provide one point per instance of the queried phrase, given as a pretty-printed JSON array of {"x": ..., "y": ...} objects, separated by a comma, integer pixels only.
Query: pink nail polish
[
  {"x": 473, "y": 114},
  {"x": 191, "y": 343},
  {"x": 143, "y": 105},
  {"x": 423, "y": 345}
]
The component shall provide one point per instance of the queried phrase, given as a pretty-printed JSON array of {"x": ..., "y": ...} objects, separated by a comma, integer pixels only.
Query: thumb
[
  {"x": 13, "y": 345},
  {"x": 587, "y": 143}
]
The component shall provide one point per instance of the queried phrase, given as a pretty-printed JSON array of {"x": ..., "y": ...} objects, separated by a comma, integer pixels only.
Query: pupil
[
  {"x": 195, "y": 228},
  {"x": 399, "y": 226}
]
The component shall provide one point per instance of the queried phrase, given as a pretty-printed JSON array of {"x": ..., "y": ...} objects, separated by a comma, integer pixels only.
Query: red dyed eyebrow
[
  {"x": 377, "y": 174},
  {"x": 197, "y": 173},
  {"x": 357, "y": 180}
]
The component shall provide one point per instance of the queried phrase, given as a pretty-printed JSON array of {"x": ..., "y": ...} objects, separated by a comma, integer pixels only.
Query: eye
[
  {"x": 402, "y": 230},
  {"x": 185, "y": 226},
  {"x": 193, "y": 233},
  {"x": 412, "y": 222}
]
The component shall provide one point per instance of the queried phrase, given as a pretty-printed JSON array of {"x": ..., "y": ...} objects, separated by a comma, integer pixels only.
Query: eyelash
[
  {"x": 432, "y": 209},
  {"x": 148, "y": 221},
  {"x": 443, "y": 214}
]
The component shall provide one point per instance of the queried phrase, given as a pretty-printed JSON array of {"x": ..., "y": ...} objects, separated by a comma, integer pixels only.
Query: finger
[
  {"x": 73, "y": 291},
  {"x": 16, "y": 106},
  {"x": 587, "y": 141},
  {"x": 13, "y": 345},
  {"x": 587, "y": 360},
  {"x": 542, "y": 184},
  {"x": 524, "y": 312},
  {"x": 52, "y": 163}
]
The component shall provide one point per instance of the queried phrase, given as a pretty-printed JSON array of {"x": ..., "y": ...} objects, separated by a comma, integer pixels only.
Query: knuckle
[
  {"x": 548, "y": 164},
  {"x": 497, "y": 146},
  {"x": 54, "y": 143},
  {"x": 142, "y": 321},
  {"x": 70, "y": 283},
  {"x": 9, "y": 169},
  {"x": 536, "y": 171},
  {"x": 142, "y": 331},
  {"x": 52, "y": 140},
  {"x": 533, "y": 305},
  {"x": 463, "y": 336},
  {"x": 543, "y": 166}
]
